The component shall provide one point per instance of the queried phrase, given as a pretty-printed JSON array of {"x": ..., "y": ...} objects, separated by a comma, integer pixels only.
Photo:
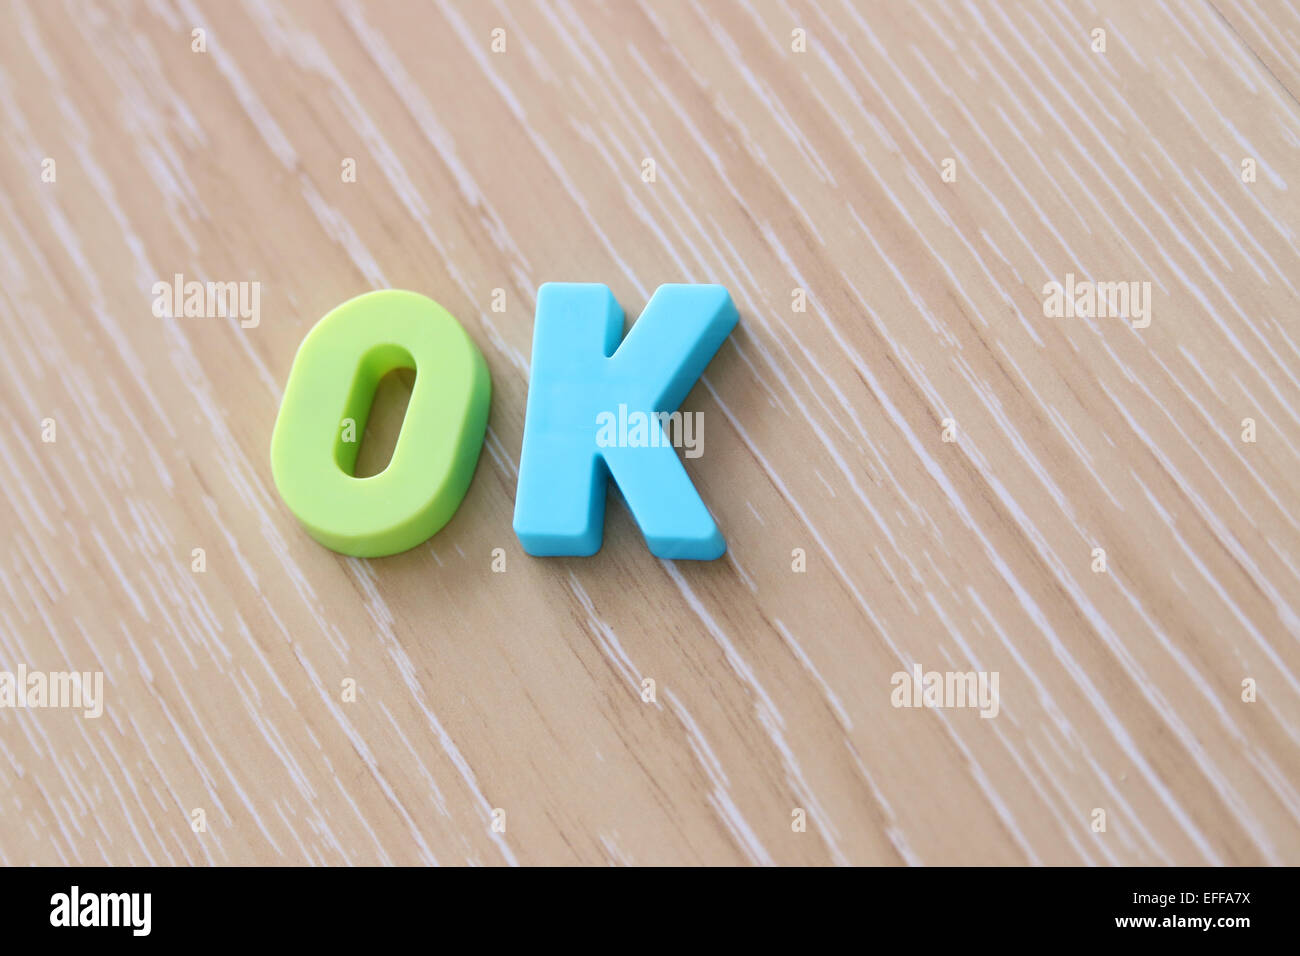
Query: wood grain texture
[{"x": 775, "y": 171}]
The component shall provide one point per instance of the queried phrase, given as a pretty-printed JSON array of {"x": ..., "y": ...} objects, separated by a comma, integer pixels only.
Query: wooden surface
[{"x": 775, "y": 171}]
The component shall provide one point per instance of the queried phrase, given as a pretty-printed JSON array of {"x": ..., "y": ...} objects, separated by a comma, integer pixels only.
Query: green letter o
[{"x": 334, "y": 377}]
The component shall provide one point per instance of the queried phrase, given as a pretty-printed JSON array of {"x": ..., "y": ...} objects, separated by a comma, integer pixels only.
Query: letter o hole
[{"x": 334, "y": 377}]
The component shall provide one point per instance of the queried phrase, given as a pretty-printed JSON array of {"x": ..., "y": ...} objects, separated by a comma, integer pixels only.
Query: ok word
[{"x": 583, "y": 372}]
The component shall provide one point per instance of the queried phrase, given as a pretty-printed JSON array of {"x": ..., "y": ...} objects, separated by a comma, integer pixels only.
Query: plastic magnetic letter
[
  {"x": 577, "y": 381},
  {"x": 323, "y": 416}
]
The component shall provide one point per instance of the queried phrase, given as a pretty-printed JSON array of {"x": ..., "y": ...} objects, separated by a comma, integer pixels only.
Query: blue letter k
[{"x": 578, "y": 431}]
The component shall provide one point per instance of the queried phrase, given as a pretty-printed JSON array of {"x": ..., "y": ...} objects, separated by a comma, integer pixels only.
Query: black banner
[{"x": 647, "y": 907}]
